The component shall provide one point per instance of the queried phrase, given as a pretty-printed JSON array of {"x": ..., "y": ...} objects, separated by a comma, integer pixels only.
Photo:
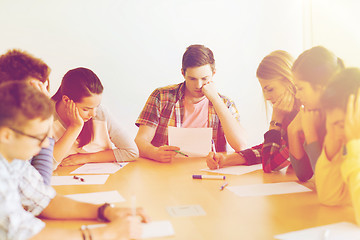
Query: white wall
[
  {"x": 336, "y": 26},
  {"x": 135, "y": 46}
]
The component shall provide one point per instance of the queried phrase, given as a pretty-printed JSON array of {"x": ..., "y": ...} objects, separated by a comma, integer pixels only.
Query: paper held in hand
[{"x": 195, "y": 142}]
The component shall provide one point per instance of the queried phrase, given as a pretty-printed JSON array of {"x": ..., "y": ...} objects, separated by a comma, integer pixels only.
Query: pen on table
[
  {"x": 177, "y": 151},
  {"x": 214, "y": 150},
  {"x": 215, "y": 177},
  {"x": 223, "y": 186},
  {"x": 116, "y": 162},
  {"x": 79, "y": 178},
  {"x": 181, "y": 153}
]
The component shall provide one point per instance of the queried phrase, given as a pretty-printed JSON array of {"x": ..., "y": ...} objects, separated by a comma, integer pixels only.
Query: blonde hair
[{"x": 277, "y": 65}]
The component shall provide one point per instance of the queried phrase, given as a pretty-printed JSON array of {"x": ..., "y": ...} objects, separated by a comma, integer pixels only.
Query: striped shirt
[
  {"x": 165, "y": 107},
  {"x": 23, "y": 196},
  {"x": 43, "y": 162}
]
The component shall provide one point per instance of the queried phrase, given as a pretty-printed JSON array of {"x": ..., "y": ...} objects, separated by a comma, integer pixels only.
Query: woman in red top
[{"x": 275, "y": 77}]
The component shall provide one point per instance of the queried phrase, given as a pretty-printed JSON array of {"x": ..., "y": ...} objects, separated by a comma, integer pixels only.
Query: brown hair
[
  {"x": 20, "y": 102},
  {"x": 343, "y": 84},
  {"x": 19, "y": 65},
  {"x": 316, "y": 65},
  {"x": 196, "y": 56},
  {"x": 76, "y": 84}
]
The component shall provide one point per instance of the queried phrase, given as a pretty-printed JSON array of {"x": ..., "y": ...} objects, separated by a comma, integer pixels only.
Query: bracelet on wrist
[
  {"x": 275, "y": 124},
  {"x": 101, "y": 211}
]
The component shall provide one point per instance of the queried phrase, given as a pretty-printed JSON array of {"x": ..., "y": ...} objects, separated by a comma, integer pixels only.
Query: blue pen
[{"x": 223, "y": 186}]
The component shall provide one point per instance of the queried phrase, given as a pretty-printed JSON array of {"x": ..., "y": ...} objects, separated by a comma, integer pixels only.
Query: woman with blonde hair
[{"x": 275, "y": 77}]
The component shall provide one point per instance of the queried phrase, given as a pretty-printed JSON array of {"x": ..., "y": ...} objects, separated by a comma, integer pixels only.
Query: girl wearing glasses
[{"x": 83, "y": 130}]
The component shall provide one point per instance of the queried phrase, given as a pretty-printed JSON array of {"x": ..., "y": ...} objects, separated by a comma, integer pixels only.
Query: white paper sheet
[
  {"x": 99, "y": 168},
  {"x": 235, "y": 170},
  {"x": 336, "y": 231},
  {"x": 69, "y": 180},
  {"x": 268, "y": 189},
  {"x": 195, "y": 142},
  {"x": 157, "y": 229},
  {"x": 153, "y": 229},
  {"x": 98, "y": 197}
]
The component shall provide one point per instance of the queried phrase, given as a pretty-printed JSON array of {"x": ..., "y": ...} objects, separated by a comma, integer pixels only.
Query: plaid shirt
[
  {"x": 23, "y": 195},
  {"x": 165, "y": 108},
  {"x": 274, "y": 152}
]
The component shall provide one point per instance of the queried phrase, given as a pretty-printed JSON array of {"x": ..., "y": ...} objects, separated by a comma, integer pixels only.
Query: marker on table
[
  {"x": 181, "y": 153},
  {"x": 215, "y": 177},
  {"x": 214, "y": 150},
  {"x": 223, "y": 186},
  {"x": 79, "y": 178}
]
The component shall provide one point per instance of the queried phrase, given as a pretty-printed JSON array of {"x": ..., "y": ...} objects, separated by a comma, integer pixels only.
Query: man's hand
[
  {"x": 209, "y": 91},
  {"x": 166, "y": 154}
]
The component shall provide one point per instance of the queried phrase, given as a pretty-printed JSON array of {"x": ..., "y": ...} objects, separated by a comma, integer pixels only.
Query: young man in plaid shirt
[{"x": 192, "y": 103}]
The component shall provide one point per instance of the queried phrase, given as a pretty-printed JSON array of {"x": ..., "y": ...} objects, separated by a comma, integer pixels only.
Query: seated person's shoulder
[
  {"x": 167, "y": 89},
  {"x": 101, "y": 113}
]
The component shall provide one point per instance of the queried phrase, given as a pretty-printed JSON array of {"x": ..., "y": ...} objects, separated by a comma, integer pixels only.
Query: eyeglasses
[{"x": 41, "y": 140}]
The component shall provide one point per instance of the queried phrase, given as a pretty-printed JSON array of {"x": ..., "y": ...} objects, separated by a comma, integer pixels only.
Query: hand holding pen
[
  {"x": 166, "y": 153},
  {"x": 215, "y": 160},
  {"x": 178, "y": 151}
]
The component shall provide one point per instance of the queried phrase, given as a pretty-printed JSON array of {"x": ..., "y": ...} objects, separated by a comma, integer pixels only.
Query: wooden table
[{"x": 159, "y": 185}]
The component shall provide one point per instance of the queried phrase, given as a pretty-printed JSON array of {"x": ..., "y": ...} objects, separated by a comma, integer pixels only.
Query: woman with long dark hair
[{"x": 83, "y": 130}]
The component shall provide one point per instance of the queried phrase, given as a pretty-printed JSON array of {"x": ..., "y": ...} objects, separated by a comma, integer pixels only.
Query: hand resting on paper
[
  {"x": 220, "y": 160},
  {"x": 75, "y": 159},
  {"x": 122, "y": 224},
  {"x": 215, "y": 160}
]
